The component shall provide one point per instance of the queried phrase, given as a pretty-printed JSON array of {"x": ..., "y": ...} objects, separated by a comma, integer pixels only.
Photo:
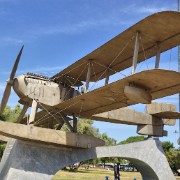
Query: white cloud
[
  {"x": 149, "y": 8},
  {"x": 76, "y": 28},
  {"x": 43, "y": 70},
  {"x": 73, "y": 28},
  {"x": 152, "y": 10},
  {"x": 10, "y": 41},
  {"x": 39, "y": 70},
  {"x": 67, "y": 29},
  {"x": 8, "y": 0},
  {"x": 111, "y": 19}
]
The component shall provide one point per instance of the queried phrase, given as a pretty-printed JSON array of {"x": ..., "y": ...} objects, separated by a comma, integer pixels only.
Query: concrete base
[{"x": 26, "y": 161}]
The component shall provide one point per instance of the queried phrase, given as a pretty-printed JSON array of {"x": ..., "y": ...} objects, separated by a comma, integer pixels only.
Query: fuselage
[{"x": 44, "y": 90}]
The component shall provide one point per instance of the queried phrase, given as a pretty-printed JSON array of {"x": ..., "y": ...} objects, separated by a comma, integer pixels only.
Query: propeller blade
[
  {"x": 10, "y": 82},
  {"x": 5, "y": 97},
  {"x": 13, "y": 72}
]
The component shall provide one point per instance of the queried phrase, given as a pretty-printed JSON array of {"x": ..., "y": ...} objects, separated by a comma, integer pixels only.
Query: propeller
[{"x": 10, "y": 82}]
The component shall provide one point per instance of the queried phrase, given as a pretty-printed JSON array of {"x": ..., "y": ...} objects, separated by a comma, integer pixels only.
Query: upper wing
[
  {"x": 163, "y": 27},
  {"x": 159, "y": 83}
]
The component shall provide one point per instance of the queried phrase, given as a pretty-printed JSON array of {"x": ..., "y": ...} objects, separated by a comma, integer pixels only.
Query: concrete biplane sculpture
[{"x": 59, "y": 98}]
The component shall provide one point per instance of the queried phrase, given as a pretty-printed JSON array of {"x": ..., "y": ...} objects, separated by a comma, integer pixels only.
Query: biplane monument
[{"x": 39, "y": 151}]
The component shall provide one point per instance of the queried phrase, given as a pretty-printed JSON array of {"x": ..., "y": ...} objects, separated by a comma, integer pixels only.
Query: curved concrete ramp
[{"x": 26, "y": 161}]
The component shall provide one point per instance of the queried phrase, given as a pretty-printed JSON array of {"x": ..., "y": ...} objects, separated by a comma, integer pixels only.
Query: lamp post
[
  {"x": 176, "y": 132},
  {"x": 179, "y": 70}
]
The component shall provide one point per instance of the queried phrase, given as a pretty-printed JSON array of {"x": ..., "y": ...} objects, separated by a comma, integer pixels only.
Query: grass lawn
[{"x": 96, "y": 174}]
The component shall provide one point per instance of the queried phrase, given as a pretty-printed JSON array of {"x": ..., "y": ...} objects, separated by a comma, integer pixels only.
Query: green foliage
[
  {"x": 173, "y": 156},
  {"x": 9, "y": 114},
  {"x": 85, "y": 126},
  {"x": 64, "y": 128},
  {"x": 92, "y": 161},
  {"x": 132, "y": 139},
  {"x": 108, "y": 141},
  {"x": 167, "y": 145},
  {"x": 6, "y": 114},
  {"x": 2, "y": 148}
]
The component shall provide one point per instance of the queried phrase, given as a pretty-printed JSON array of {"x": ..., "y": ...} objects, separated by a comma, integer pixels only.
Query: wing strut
[
  {"x": 25, "y": 107},
  {"x": 88, "y": 75},
  {"x": 67, "y": 122},
  {"x": 136, "y": 50},
  {"x": 107, "y": 76},
  {"x": 33, "y": 111},
  {"x": 158, "y": 54},
  {"x": 74, "y": 124}
]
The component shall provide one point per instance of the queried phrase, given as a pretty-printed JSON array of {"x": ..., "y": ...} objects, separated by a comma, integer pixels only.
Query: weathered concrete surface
[
  {"x": 4, "y": 138},
  {"x": 127, "y": 116},
  {"x": 48, "y": 136},
  {"x": 27, "y": 161},
  {"x": 156, "y": 107},
  {"x": 164, "y": 110},
  {"x": 132, "y": 117},
  {"x": 151, "y": 130}
]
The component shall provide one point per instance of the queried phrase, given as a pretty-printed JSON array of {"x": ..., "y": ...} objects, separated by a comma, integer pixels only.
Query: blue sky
[{"x": 56, "y": 33}]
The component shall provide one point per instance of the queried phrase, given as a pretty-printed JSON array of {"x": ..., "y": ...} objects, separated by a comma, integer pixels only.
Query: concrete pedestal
[{"x": 26, "y": 161}]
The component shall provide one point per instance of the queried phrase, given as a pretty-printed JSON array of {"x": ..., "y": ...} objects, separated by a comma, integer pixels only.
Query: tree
[
  {"x": 16, "y": 112},
  {"x": 6, "y": 114},
  {"x": 173, "y": 156},
  {"x": 9, "y": 114},
  {"x": 85, "y": 126},
  {"x": 108, "y": 141},
  {"x": 2, "y": 148},
  {"x": 167, "y": 145},
  {"x": 132, "y": 139}
]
